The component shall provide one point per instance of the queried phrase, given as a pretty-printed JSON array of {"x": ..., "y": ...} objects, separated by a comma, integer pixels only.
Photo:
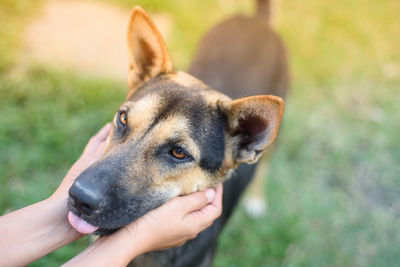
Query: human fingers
[
  {"x": 217, "y": 201},
  {"x": 205, "y": 217},
  {"x": 195, "y": 201},
  {"x": 92, "y": 152},
  {"x": 97, "y": 139},
  {"x": 177, "y": 231},
  {"x": 103, "y": 133},
  {"x": 97, "y": 154}
]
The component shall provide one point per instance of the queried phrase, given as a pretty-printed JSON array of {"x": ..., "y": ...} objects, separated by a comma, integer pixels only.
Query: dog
[{"x": 174, "y": 135}]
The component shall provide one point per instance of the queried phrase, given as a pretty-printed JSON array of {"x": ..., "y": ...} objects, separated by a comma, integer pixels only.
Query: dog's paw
[{"x": 255, "y": 207}]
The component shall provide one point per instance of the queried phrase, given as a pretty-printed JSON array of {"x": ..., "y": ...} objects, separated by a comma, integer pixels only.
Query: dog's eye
[
  {"x": 123, "y": 118},
  {"x": 178, "y": 153}
]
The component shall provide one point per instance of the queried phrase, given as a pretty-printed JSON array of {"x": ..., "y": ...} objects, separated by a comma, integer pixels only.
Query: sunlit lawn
[{"x": 333, "y": 189}]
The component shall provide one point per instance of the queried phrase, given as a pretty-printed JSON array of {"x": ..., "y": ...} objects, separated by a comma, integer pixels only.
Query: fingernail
[{"x": 210, "y": 193}]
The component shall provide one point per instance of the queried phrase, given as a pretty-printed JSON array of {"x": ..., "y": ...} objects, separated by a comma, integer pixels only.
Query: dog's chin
[{"x": 105, "y": 231}]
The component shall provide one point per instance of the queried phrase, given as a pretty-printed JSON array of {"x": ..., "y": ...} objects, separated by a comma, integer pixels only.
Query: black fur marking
[
  {"x": 209, "y": 135},
  {"x": 207, "y": 124},
  {"x": 163, "y": 113}
]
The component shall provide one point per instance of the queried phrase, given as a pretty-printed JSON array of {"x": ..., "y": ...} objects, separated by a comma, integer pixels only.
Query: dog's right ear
[
  {"x": 148, "y": 55},
  {"x": 253, "y": 123}
]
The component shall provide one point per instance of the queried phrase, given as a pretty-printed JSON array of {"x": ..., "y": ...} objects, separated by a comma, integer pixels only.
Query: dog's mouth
[
  {"x": 83, "y": 227},
  {"x": 80, "y": 224},
  {"x": 103, "y": 213}
]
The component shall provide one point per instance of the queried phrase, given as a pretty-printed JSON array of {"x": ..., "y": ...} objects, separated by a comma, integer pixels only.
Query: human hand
[
  {"x": 178, "y": 220},
  {"x": 172, "y": 224},
  {"x": 92, "y": 152}
]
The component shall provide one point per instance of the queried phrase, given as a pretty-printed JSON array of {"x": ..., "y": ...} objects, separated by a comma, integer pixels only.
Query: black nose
[{"x": 85, "y": 200}]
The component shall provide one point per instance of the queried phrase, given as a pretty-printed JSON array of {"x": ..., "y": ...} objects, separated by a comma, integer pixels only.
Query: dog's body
[
  {"x": 175, "y": 135},
  {"x": 244, "y": 52}
]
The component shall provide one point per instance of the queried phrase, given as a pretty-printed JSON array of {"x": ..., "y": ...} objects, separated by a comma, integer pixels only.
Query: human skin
[{"x": 36, "y": 230}]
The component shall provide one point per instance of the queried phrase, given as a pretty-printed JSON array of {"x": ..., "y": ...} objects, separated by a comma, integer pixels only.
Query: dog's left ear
[
  {"x": 253, "y": 123},
  {"x": 148, "y": 55}
]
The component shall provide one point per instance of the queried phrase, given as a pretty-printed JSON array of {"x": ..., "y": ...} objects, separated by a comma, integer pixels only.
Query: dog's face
[{"x": 172, "y": 136}]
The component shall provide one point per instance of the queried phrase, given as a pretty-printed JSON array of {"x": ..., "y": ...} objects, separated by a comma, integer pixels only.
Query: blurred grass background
[{"x": 333, "y": 188}]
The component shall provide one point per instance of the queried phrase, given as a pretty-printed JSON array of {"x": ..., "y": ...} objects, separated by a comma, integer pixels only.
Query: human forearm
[
  {"x": 34, "y": 231},
  {"x": 124, "y": 246}
]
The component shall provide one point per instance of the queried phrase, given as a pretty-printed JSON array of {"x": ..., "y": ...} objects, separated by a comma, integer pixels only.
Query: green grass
[{"x": 333, "y": 188}]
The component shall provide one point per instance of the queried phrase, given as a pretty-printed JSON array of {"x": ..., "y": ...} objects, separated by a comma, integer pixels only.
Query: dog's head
[{"x": 172, "y": 136}]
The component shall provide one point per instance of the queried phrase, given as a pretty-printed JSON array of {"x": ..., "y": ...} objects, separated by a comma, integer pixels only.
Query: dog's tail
[{"x": 264, "y": 10}]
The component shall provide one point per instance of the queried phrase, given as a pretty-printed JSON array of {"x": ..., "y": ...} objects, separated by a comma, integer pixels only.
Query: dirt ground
[{"x": 87, "y": 36}]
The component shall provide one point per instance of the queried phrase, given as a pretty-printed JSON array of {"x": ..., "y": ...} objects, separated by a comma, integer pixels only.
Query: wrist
[
  {"x": 55, "y": 230},
  {"x": 34, "y": 231},
  {"x": 138, "y": 237},
  {"x": 132, "y": 240},
  {"x": 57, "y": 221},
  {"x": 102, "y": 252}
]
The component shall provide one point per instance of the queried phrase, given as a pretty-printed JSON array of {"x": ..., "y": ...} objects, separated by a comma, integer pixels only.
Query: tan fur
[
  {"x": 139, "y": 115},
  {"x": 172, "y": 128},
  {"x": 211, "y": 96},
  {"x": 187, "y": 181},
  {"x": 141, "y": 112},
  {"x": 185, "y": 79}
]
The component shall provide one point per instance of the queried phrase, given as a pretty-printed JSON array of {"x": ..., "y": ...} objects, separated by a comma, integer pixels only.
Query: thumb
[{"x": 97, "y": 139}]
